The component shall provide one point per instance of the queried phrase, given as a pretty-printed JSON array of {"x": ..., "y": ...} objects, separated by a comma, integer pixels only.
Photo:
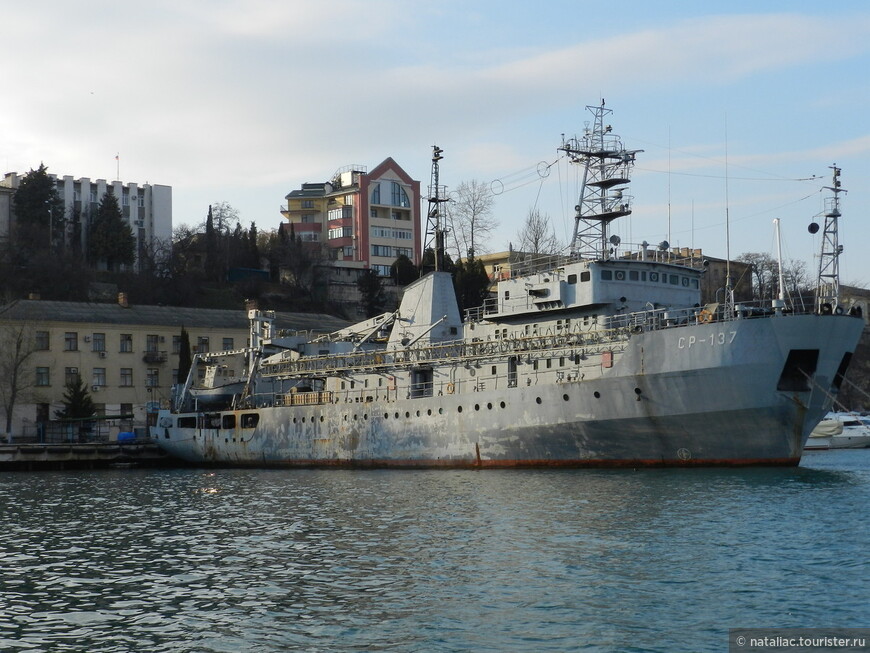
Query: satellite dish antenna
[
  {"x": 813, "y": 228},
  {"x": 615, "y": 240},
  {"x": 664, "y": 245}
]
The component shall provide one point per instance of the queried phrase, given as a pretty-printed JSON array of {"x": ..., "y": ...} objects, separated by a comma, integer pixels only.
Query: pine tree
[
  {"x": 77, "y": 402},
  {"x": 39, "y": 211},
  {"x": 184, "y": 359},
  {"x": 109, "y": 237},
  {"x": 372, "y": 297}
]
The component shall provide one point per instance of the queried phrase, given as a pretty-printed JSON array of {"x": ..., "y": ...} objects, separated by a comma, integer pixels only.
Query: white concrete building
[{"x": 147, "y": 208}]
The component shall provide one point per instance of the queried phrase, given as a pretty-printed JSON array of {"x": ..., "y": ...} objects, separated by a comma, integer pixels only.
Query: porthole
[
  {"x": 537, "y": 400},
  {"x": 365, "y": 415},
  {"x": 459, "y": 409},
  {"x": 502, "y": 404},
  {"x": 476, "y": 406},
  {"x": 294, "y": 420},
  {"x": 418, "y": 413},
  {"x": 565, "y": 397},
  {"x": 429, "y": 412},
  {"x": 407, "y": 414},
  {"x": 397, "y": 415},
  {"x": 440, "y": 411},
  {"x": 321, "y": 418},
  {"x": 386, "y": 416},
  {"x": 489, "y": 406},
  {"x": 596, "y": 394}
]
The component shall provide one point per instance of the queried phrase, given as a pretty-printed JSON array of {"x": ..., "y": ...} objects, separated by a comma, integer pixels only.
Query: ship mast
[
  {"x": 606, "y": 173},
  {"x": 828, "y": 282},
  {"x": 434, "y": 239}
]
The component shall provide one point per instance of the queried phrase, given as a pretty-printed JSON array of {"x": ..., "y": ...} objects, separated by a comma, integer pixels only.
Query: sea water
[{"x": 508, "y": 560}]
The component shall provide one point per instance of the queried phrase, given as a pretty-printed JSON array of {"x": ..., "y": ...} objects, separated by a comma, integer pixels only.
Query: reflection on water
[{"x": 239, "y": 560}]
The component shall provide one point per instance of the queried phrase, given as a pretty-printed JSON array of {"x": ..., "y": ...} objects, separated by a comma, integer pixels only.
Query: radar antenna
[
  {"x": 828, "y": 282},
  {"x": 607, "y": 169},
  {"x": 437, "y": 196}
]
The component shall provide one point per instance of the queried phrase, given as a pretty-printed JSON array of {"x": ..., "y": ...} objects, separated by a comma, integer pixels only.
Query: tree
[
  {"x": 184, "y": 358},
  {"x": 16, "y": 348},
  {"x": 224, "y": 216},
  {"x": 403, "y": 271},
  {"x": 39, "y": 211},
  {"x": 765, "y": 276},
  {"x": 77, "y": 402},
  {"x": 537, "y": 235},
  {"x": 109, "y": 237},
  {"x": 372, "y": 297},
  {"x": 253, "y": 250},
  {"x": 469, "y": 216},
  {"x": 471, "y": 283}
]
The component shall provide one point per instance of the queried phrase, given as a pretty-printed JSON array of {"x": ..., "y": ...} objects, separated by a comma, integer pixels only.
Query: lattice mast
[
  {"x": 828, "y": 282},
  {"x": 434, "y": 239},
  {"x": 607, "y": 169}
]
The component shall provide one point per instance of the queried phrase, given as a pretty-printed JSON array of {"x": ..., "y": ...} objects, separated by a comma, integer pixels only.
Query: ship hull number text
[{"x": 713, "y": 340}]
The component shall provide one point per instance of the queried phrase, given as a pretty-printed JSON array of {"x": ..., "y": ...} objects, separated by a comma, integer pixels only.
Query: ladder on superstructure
[{"x": 607, "y": 169}]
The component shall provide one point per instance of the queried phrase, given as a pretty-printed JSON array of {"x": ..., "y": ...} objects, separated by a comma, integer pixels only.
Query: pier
[{"x": 29, "y": 456}]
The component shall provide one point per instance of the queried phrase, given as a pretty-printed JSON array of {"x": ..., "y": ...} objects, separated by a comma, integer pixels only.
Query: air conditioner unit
[
  {"x": 102, "y": 354},
  {"x": 87, "y": 338},
  {"x": 95, "y": 388},
  {"x": 162, "y": 338}
]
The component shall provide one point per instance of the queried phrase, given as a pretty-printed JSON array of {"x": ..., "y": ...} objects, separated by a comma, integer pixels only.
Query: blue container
[{"x": 126, "y": 436}]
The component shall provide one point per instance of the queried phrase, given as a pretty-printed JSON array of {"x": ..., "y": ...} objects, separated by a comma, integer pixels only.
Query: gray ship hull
[{"x": 726, "y": 393}]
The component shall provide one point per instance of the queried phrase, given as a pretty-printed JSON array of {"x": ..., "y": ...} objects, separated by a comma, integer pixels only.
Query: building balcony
[
  {"x": 153, "y": 357},
  {"x": 300, "y": 227}
]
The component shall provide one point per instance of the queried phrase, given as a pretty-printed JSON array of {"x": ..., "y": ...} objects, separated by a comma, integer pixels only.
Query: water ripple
[{"x": 242, "y": 560}]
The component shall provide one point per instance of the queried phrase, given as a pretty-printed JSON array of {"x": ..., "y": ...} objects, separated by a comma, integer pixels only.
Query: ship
[{"x": 597, "y": 358}]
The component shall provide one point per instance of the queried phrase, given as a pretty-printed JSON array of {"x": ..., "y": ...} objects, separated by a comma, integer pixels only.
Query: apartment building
[
  {"x": 360, "y": 216},
  {"x": 147, "y": 208},
  {"x": 127, "y": 355}
]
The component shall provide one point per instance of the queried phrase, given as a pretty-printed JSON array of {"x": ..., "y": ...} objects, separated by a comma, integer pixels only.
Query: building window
[
  {"x": 308, "y": 218},
  {"x": 376, "y": 195},
  {"x": 382, "y": 250},
  {"x": 152, "y": 380},
  {"x": 70, "y": 341},
  {"x": 99, "y": 376},
  {"x": 151, "y": 344},
  {"x": 175, "y": 376},
  {"x": 70, "y": 375},
  {"x": 42, "y": 341},
  {"x": 126, "y": 377},
  {"x": 373, "y": 213},
  {"x": 176, "y": 344},
  {"x": 42, "y": 376},
  {"x": 126, "y": 410},
  {"x": 400, "y": 197},
  {"x": 98, "y": 343},
  {"x": 307, "y": 204},
  {"x": 341, "y": 232},
  {"x": 126, "y": 343},
  {"x": 202, "y": 345},
  {"x": 227, "y": 344},
  {"x": 381, "y": 270},
  {"x": 348, "y": 251}
]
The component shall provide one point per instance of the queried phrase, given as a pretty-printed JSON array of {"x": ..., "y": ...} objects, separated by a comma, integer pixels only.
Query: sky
[{"x": 740, "y": 108}]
